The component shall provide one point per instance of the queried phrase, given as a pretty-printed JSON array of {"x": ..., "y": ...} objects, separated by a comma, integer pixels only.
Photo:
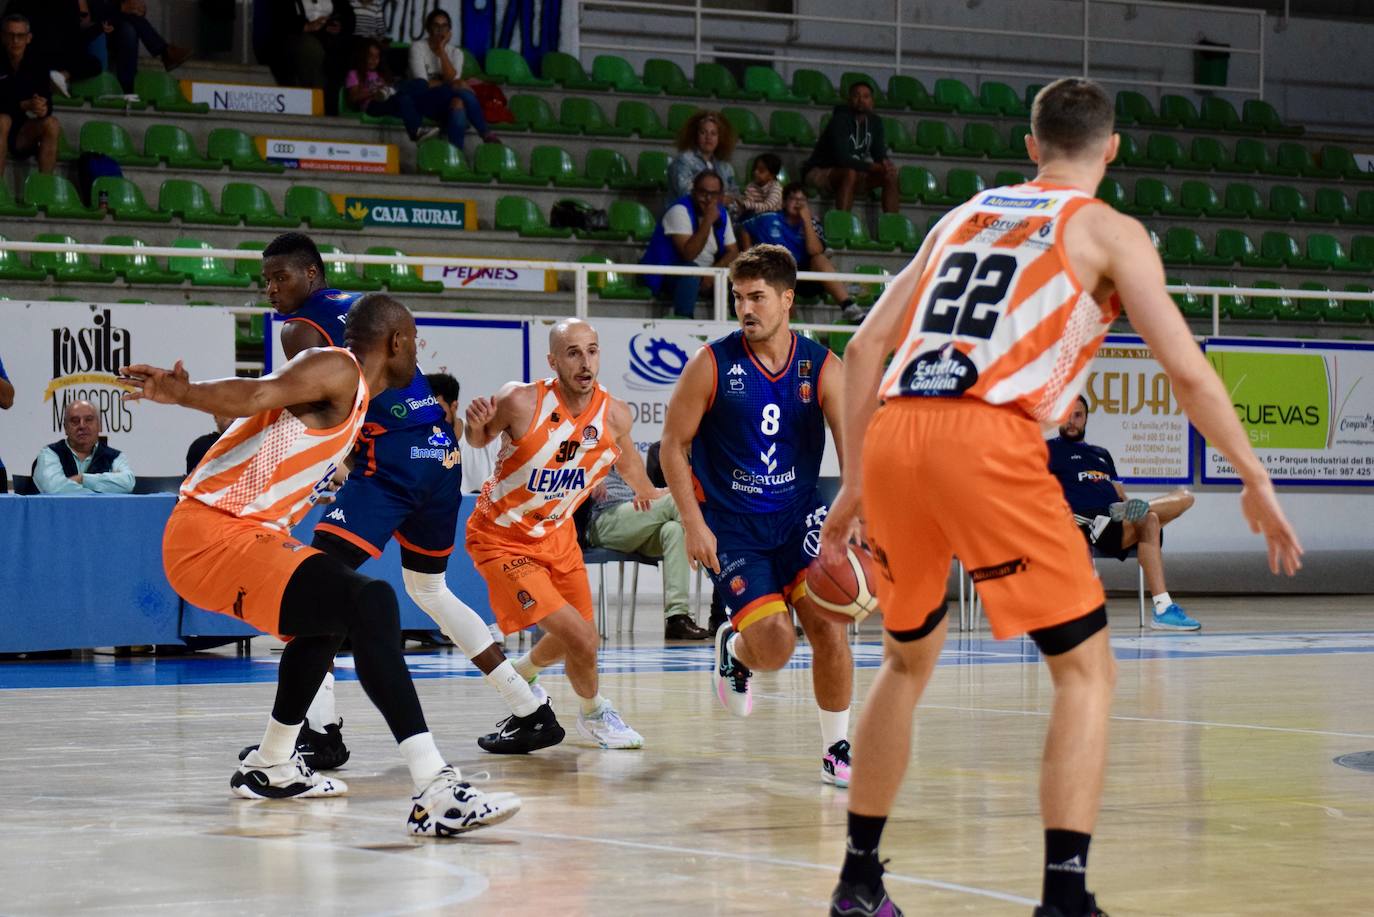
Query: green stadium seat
[
  {"x": 1217, "y": 114},
  {"x": 1254, "y": 156},
  {"x": 1016, "y": 140},
  {"x": 612, "y": 284},
  {"x": 610, "y": 168},
  {"x": 1190, "y": 304},
  {"x": 532, "y": 113},
  {"x": 1001, "y": 98},
  {"x": 1129, "y": 154},
  {"x": 162, "y": 91},
  {"x": 399, "y": 278},
  {"x": 502, "y": 62},
  {"x": 57, "y": 198},
  {"x": 1288, "y": 203},
  {"x": 1236, "y": 246},
  {"x": 938, "y": 137},
  {"x": 1151, "y": 196},
  {"x": 313, "y": 206},
  {"x": 633, "y": 219},
  {"x": 1271, "y": 306},
  {"x": 1362, "y": 253},
  {"x": 1354, "y": 311},
  {"x": 579, "y": 115},
  {"x": 205, "y": 270},
  {"x": 253, "y": 205},
  {"x": 12, "y": 267},
  {"x": 172, "y": 144},
  {"x": 1275, "y": 244},
  {"x": 1179, "y": 111},
  {"x": 436, "y": 156},
  {"x": 640, "y": 117},
  {"x": 1005, "y": 177},
  {"x": 651, "y": 168},
  {"x": 1184, "y": 246},
  {"x": 1111, "y": 192},
  {"x": 769, "y": 83},
  {"x": 102, "y": 91},
  {"x": 135, "y": 267},
  {"x": 1340, "y": 161},
  {"x": 1327, "y": 250},
  {"x": 1134, "y": 108},
  {"x": 113, "y": 141},
  {"x": 916, "y": 184},
  {"x": 792, "y": 127},
  {"x": 555, "y": 164},
  {"x": 667, "y": 76},
  {"x": 679, "y": 113},
  {"x": 895, "y": 230},
  {"x": 69, "y": 266},
  {"x": 498, "y": 161},
  {"x": 9, "y": 207},
  {"x": 816, "y": 86},
  {"x": 236, "y": 149},
  {"x": 1333, "y": 206},
  {"x": 125, "y": 201},
  {"x": 911, "y": 93},
  {"x": 1242, "y": 197},
  {"x": 520, "y": 214},
  {"x": 1167, "y": 151},
  {"x": 343, "y": 275},
  {"x": 617, "y": 71},
  {"x": 1231, "y": 305},
  {"x": 1209, "y": 153},
  {"x": 898, "y": 138},
  {"x": 949, "y": 91},
  {"x": 1295, "y": 156},
  {"x": 721, "y": 83},
  {"x": 1258, "y": 114},
  {"x": 252, "y": 267},
  {"x": 843, "y": 229},
  {"x": 1032, "y": 90},
  {"x": 1364, "y": 207},
  {"x": 746, "y": 124},
  {"x": 962, "y": 184},
  {"x": 1198, "y": 198},
  {"x": 191, "y": 203},
  {"x": 567, "y": 71},
  {"x": 1313, "y": 310},
  {"x": 984, "y": 139}
]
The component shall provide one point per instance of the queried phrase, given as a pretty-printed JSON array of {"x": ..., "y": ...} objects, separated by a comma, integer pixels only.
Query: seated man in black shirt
[
  {"x": 201, "y": 444},
  {"x": 1112, "y": 523},
  {"x": 27, "y": 123}
]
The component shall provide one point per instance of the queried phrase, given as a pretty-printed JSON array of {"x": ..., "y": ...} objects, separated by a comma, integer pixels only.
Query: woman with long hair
[{"x": 704, "y": 144}]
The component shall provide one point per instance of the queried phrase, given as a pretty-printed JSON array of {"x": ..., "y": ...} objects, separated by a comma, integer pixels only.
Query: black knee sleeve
[
  {"x": 931, "y": 622},
  {"x": 346, "y": 552},
  {"x": 1061, "y": 638},
  {"x": 423, "y": 563}
]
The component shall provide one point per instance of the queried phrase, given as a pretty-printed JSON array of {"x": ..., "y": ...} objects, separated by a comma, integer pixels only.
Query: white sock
[
  {"x": 321, "y": 712},
  {"x": 591, "y": 704},
  {"x": 514, "y": 690},
  {"x": 1162, "y": 601},
  {"x": 278, "y": 742},
  {"x": 730, "y": 647},
  {"x": 423, "y": 758},
  {"x": 527, "y": 669},
  {"x": 834, "y": 727},
  {"x": 455, "y": 618}
]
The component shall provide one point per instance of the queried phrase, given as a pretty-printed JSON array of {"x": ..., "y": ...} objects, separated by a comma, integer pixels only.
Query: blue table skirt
[{"x": 85, "y": 571}]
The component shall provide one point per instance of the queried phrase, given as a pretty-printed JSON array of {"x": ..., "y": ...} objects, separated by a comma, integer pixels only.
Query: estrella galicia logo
[
  {"x": 939, "y": 373},
  {"x": 439, "y": 439},
  {"x": 654, "y": 362}
]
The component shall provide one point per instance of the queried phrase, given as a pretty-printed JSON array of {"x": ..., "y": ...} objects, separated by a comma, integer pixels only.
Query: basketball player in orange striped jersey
[
  {"x": 228, "y": 548},
  {"x": 559, "y": 437},
  {"x": 994, "y": 326}
]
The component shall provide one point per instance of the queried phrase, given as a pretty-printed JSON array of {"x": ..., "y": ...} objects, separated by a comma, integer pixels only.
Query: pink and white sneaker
[{"x": 835, "y": 765}]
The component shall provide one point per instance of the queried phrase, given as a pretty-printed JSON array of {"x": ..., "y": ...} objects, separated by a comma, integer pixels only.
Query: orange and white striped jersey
[
  {"x": 271, "y": 468},
  {"x": 541, "y": 478},
  {"x": 998, "y": 314}
]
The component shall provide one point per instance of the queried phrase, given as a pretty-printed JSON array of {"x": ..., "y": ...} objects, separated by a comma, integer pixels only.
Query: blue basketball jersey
[
  {"x": 393, "y": 409},
  {"x": 759, "y": 446}
]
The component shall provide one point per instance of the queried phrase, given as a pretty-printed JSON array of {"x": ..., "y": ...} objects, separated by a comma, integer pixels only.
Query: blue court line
[{"x": 107, "y": 672}]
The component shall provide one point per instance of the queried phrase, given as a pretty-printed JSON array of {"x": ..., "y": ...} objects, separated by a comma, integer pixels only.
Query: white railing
[{"x": 701, "y": 18}]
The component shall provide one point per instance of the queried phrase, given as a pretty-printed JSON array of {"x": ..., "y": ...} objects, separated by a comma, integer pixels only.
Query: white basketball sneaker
[
  {"x": 731, "y": 677},
  {"x": 256, "y": 779},
  {"x": 450, "y": 806},
  {"x": 607, "y": 729}
]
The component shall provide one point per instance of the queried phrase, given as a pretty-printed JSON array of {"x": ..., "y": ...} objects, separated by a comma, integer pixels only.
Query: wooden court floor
[{"x": 1222, "y": 795}]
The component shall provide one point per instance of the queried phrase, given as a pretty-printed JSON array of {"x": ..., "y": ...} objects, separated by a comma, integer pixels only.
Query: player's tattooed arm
[{"x": 631, "y": 463}]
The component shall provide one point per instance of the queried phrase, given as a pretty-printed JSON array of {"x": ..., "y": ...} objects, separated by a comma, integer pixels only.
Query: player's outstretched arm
[
  {"x": 686, "y": 408},
  {"x": 312, "y": 377},
  {"x": 1135, "y": 268},
  {"x": 631, "y": 463}
]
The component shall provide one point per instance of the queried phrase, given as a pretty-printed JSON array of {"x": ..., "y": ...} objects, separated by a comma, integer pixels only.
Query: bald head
[
  {"x": 569, "y": 328},
  {"x": 575, "y": 355},
  {"x": 380, "y": 328}
]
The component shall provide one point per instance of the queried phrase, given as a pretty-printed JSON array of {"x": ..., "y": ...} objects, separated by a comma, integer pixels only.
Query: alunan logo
[{"x": 85, "y": 363}]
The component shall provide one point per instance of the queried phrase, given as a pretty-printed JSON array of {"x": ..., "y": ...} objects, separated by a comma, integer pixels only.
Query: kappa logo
[
  {"x": 736, "y": 370},
  {"x": 336, "y": 513}
]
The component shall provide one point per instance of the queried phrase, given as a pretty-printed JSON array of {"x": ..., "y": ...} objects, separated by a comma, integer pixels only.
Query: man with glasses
[
  {"x": 26, "y": 119},
  {"x": 695, "y": 230}
]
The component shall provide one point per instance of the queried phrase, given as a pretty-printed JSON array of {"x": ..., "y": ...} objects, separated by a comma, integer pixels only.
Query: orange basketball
[{"x": 844, "y": 589}]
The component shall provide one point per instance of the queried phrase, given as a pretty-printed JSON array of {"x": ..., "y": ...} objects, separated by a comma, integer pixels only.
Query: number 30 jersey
[
  {"x": 760, "y": 443},
  {"x": 998, "y": 314}
]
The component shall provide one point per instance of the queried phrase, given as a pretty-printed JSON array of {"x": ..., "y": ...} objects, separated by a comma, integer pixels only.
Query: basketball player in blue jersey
[
  {"x": 406, "y": 483},
  {"x": 752, "y": 408}
]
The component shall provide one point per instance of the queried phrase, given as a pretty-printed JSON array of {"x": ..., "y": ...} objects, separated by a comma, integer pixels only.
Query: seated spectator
[
  {"x": 125, "y": 23},
  {"x": 81, "y": 463},
  {"x": 798, "y": 231},
  {"x": 695, "y": 230},
  {"x": 1112, "y": 523},
  {"x": 704, "y": 144},
  {"x": 616, "y": 523},
  {"x": 26, "y": 119},
  {"x": 449, "y": 100},
  {"x": 6, "y": 402},
  {"x": 764, "y": 193},
  {"x": 61, "y": 39},
  {"x": 317, "y": 41},
  {"x": 373, "y": 89},
  {"x": 851, "y": 153},
  {"x": 369, "y": 21},
  {"x": 478, "y": 464},
  {"x": 201, "y": 444}
]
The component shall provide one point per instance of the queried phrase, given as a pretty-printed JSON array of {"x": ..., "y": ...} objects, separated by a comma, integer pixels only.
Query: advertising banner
[
  {"x": 1132, "y": 412},
  {"x": 72, "y": 351},
  {"x": 330, "y": 155},
  {"x": 462, "y": 277},
  {"x": 1308, "y": 408},
  {"x": 268, "y": 100},
  {"x": 408, "y": 211}
]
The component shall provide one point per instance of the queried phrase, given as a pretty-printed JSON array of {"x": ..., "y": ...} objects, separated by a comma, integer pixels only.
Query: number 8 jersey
[{"x": 998, "y": 314}]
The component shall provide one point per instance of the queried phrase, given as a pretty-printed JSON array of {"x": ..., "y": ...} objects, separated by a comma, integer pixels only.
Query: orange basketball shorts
[
  {"x": 529, "y": 580},
  {"x": 947, "y": 478},
  {"x": 230, "y": 565}
]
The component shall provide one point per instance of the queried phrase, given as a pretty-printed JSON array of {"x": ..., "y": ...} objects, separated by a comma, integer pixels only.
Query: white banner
[
  {"x": 270, "y": 100},
  {"x": 56, "y": 353},
  {"x": 1132, "y": 412},
  {"x": 463, "y": 277},
  {"x": 329, "y": 155}
]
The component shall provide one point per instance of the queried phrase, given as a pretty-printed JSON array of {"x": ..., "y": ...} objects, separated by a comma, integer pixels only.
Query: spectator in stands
[
  {"x": 616, "y": 523},
  {"x": 126, "y": 24},
  {"x": 26, "y": 119},
  {"x": 798, "y": 231},
  {"x": 478, "y": 464},
  {"x": 449, "y": 101},
  {"x": 81, "y": 463},
  {"x": 318, "y": 43},
  {"x": 369, "y": 21},
  {"x": 6, "y": 402},
  {"x": 695, "y": 230},
  {"x": 201, "y": 444},
  {"x": 59, "y": 40},
  {"x": 372, "y": 88},
  {"x": 1112, "y": 523},
  {"x": 851, "y": 153},
  {"x": 764, "y": 193},
  {"x": 704, "y": 145}
]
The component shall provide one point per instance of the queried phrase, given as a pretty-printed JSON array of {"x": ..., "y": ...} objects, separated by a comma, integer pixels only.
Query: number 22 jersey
[{"x": 998, "y": 314}]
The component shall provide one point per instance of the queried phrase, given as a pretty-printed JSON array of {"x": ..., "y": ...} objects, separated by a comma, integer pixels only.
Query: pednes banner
[
  {"x": 57, "y": 353},
  {"x": 1132, "y": 412},
  {"x": 1307, "y": 407}
]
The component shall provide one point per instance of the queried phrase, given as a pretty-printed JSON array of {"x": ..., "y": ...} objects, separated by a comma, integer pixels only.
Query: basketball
[{"x": 843, "y": 589}]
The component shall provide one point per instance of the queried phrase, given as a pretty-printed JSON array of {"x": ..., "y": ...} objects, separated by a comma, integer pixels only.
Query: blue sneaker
[{"x": 1173, "y": 618}]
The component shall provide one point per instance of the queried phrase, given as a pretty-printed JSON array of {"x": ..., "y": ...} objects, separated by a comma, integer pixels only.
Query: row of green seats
[
  {"x": 603, "y": 168},
  {"x": 173, "y": 146},
  {"x": 154, "y": 89},
  {"x": 1250, "y": 156},
  {"x": 628, "y": 221},
  {"x": 1182, "y": 245},
  {"x": 1239, "y": 200},
  {"x": 1284, "y": 308}
]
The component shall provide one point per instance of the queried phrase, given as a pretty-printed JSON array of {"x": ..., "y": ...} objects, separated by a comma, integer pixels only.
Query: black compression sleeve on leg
[
  {"x": 423, "y": 563},
  {"x": 931, "y": 622},
  {"x": 1061, "y": 638},
  {"x": 346, "y": 551},
  {"x": 304, "y": 663}
]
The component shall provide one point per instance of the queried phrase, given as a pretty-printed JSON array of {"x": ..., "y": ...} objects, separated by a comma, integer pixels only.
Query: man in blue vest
[
  {"x": 695, "y": 230},
  {"x": 81, "y": 463}
]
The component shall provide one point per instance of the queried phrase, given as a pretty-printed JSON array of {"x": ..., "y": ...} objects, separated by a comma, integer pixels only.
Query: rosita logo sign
[{"x": 85, "y": 363}]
